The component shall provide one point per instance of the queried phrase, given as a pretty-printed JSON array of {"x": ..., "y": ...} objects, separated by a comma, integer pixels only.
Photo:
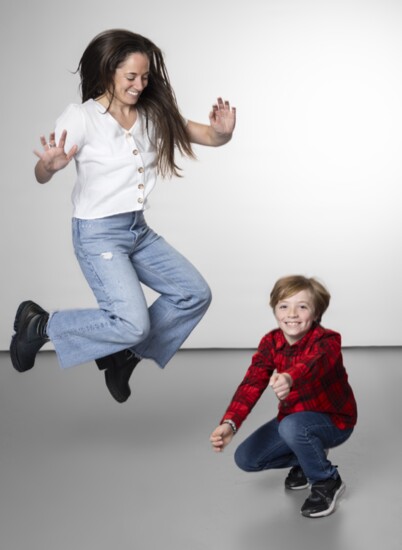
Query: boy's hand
[
  {"x": 281, "y": 384},
  {"x": 220, "y": 437}
]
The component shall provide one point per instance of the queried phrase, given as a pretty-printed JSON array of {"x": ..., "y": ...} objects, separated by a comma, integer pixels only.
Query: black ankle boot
[
  {"x": 30, "y": 335},
  {"x": 118, "y": 368}
]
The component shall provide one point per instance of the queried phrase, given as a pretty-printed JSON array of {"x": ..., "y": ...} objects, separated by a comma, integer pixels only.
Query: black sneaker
[
  {"x": 118, "y": 368},
  {"x": 30, "y": 335},
  {"x": 296, "y": 479},
  {"x": 323, "y": 497}
]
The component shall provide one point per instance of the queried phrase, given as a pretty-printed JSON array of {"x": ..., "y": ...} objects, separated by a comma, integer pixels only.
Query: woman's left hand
[
  {"x": 222, "y": 121},
  {"x": 223, "y": 117}
]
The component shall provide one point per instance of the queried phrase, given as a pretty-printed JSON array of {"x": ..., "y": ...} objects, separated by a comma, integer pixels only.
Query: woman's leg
[
  {"x": 184, "y": 297},
  {"x": 103, "y": 248}
]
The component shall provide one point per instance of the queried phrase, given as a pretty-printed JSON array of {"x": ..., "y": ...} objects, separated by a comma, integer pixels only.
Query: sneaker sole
[
  {"x": 298, "y": 488},
  {"x": 329, "y": 510}
]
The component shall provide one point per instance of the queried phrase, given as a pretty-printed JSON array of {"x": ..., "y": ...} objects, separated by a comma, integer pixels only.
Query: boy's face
[{"x": 295, "y": 315}]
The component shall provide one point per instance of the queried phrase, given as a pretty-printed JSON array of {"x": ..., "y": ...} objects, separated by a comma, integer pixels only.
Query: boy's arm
[
  {"x": 221, "y": 437},
  {"x": 281, "y": 384},
  {"x": 253, "y": 385}
]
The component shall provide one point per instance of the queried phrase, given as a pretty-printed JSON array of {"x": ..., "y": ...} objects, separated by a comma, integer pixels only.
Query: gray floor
[{"x": 81, "y": 472}]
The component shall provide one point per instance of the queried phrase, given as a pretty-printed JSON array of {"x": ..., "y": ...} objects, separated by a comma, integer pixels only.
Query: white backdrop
[{"x": 309, "y": 184}]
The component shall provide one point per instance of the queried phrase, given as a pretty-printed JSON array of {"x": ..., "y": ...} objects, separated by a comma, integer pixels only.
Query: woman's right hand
[
  {"x": 53, "y": 157},
  {"x": 221, "y": 437}
]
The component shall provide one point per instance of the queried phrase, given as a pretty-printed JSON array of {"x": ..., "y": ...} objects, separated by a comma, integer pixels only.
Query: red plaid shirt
[{"x": 320, "y": 381}]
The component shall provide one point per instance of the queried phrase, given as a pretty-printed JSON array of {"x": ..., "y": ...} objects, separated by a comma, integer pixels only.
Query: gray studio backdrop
[{"x": 310, "y": 183}]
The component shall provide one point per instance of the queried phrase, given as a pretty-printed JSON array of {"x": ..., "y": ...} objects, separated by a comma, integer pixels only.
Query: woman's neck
[{"x": 126, "y": 115}]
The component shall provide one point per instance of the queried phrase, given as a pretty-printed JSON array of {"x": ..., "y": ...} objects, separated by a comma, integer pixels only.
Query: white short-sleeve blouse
[{"x": 116, "y": 168}]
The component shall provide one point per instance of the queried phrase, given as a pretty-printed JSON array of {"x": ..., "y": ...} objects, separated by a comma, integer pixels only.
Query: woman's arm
[{"x": 222, "y": 120}]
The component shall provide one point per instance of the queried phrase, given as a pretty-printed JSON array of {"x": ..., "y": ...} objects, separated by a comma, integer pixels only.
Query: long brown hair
[{"x": 158, "y": 102}]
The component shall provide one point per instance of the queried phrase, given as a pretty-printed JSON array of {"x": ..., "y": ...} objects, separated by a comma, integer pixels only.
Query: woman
[{"x": 124, "y": 133}]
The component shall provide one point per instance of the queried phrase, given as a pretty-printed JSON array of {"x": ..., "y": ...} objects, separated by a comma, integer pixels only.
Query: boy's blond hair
[{"x": 292, "y": 284}]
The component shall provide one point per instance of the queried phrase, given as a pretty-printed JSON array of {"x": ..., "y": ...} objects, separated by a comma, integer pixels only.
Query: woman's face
[{"x": 130, "y": 79}]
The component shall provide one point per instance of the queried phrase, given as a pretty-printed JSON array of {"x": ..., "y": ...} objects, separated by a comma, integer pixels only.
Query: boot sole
[{"x": 13, "y": 346}]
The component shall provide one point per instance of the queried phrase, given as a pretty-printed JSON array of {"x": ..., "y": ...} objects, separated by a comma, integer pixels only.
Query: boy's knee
[
  {"x": 290, "y": 429},
  {"x": 239, "y": 460},
  {"x": 242, "y": 460}
]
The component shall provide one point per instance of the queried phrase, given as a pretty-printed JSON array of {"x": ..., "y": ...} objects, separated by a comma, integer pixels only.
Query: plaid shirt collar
[{"x": 281, "y": 343}]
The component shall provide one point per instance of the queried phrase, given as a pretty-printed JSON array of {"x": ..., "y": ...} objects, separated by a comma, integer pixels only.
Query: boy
[{"x": 302, "y": 362}]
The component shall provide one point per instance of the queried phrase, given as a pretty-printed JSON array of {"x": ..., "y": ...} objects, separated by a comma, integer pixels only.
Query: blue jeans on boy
[
  {"x": 300, "y": 439},
  {"x": 117, "y": 254}
]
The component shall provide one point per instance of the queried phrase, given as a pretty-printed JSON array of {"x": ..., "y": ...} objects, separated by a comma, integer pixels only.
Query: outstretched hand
[
  {"x": 223, "y": 117},
  {"x": 53, "y": 156}
]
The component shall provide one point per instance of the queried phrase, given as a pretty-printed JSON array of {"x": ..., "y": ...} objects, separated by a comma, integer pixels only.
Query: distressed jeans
[
  {"x": 300, "y": 439},
  {"x": 117, "y": 254}
]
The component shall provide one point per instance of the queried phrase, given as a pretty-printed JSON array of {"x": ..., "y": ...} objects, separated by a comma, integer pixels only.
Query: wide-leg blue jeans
[
  {"x": 116, "y": 255},
  {"x": 301, "y": 438}
]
